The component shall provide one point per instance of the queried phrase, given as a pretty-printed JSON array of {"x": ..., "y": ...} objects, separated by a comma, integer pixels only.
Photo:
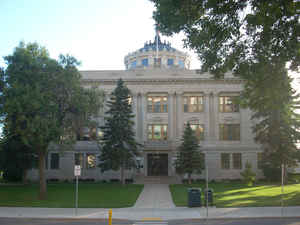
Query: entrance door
[{"x": 157, "y": 164}]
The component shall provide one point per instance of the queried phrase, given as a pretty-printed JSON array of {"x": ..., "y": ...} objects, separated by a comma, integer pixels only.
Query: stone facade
[{"x": 225, "y": 155}]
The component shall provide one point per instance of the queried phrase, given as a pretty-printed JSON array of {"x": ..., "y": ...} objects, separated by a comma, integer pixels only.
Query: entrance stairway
[{"x": 157, "y": 180}]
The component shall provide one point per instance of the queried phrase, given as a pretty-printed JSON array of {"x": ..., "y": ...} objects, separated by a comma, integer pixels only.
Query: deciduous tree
[
  {"x": 42, "y": 98},
  {"x": 255, "y": 40}
]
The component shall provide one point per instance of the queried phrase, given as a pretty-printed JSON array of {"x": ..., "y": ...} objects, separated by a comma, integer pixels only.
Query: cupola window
[
  {"x": 145, "y": 62},
  {"x": 157, "y": 62},
  {"x": 170, "y": 62},
  {"x": 133, "y": 65},
  {"x": 181, "y": 64}
]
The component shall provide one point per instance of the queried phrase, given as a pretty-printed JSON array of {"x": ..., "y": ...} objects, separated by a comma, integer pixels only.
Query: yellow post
[{"x": 110, "y": 217}]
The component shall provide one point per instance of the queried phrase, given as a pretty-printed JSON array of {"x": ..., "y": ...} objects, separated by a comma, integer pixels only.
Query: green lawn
[
  {"x": 239, "y": 195},
  {"x": 63, "y": 195}
]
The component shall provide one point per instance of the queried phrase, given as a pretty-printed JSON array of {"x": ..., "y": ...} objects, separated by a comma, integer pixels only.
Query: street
[{"x": 267, "y": 221}]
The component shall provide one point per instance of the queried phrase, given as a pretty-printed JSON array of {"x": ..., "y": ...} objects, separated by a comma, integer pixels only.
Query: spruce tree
[
  {"x": 248, "y": 175},
  {"x": 118, "y": 145},
  {"x": 189, "y": 158}
]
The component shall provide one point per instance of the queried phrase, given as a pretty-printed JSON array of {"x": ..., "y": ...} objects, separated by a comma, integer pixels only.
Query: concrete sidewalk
[
  {"x": 162, "y": 213},
  {"x": 155, "y": 196}
]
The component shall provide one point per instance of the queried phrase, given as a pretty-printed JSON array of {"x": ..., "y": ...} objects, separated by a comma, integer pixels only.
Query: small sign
[{"x": 77, "y": 171}]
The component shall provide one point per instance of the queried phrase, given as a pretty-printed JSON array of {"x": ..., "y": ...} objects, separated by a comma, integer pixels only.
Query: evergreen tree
[
  {"x": 189, "y": 158},
  {"x": 248, "y": 175},
  {"x": 118, "y": 145},
  {"x": 254, "y": 39}
]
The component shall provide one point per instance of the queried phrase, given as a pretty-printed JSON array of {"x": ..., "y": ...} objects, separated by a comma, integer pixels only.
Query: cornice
[{"x": 152, "y": 81}]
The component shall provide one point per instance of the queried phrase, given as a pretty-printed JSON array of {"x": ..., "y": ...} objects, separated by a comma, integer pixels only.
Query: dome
[{"x": 157, "y": 54}]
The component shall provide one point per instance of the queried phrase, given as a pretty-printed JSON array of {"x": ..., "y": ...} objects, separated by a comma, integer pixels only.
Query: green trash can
[
  {"x": 209, "y": 196},
  {"x": 194, "y": 197}
]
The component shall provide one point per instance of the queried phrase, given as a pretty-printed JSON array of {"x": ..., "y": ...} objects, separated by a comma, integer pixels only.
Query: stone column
[
  {"x": 170, "y": 117},
  {"x": 179, "y": 117},
  {"x": 212, "y": 119},
  {"x": 206, "y": 112},
  {"x": 175, "y": 127},
  {"x": 143, "y": 118},
  {"x": 135, "y": 111}
]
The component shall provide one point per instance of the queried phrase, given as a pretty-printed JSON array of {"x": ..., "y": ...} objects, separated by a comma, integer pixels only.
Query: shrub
[
  {"x": 248, "y": 175},
  {"x": 186, "y": 181},
  {"x": 12, "y": 174},
  {"x": 272, "y": 174},
  {"x": 129, "y": 181},
  {"x": 294, "y": 178},
  {"x": 114, "y": 180},
  {"x": 200, "y": 180},
  {"x": 52, "y": 180}
]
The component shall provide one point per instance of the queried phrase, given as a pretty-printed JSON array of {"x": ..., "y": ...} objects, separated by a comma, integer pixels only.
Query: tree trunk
[
  {"x": 190, "y": 178},
  {"x": 122, "y": 174},
  {"x": 43, "y": 185},
  {"x": 24, "y": 176},
  {"x": 285, "y": 180}
]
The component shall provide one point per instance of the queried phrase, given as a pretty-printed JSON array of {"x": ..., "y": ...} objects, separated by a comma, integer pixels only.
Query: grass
[
  {"x": 239, "y": 195},
  {"x": 63, "y": 195}
]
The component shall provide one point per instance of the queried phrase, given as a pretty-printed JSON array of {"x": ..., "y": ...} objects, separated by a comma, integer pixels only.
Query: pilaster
[
  {"x": 135, "y": 110},
  {"x": 172, "y": 116},
  {"x": 179, "y": 117},
  {"x": 143, "y": 114},
  {"x": 212, "y": 117}
]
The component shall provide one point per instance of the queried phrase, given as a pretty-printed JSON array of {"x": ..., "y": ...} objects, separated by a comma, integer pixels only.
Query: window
[
  {"x": 133, "y": 65},
  {"x": 90, "y": 161},
  {"x": 259, "y": 160},
  {"x": 181, "y": 64},
  {"x": 157, "y": 104},
  {"x": 79, "y": 159},
  {"x": 199, "y": 130},
  {"x": 228, "y": 104},
  {"x": 157, "y": 62},
  {"x": 170, "y": 62},
  {"x": 130, "y": 100},
  {"x": 54, "y": 162},
  {"x": 145, "y": 62},
  {"x": 100, "y": 133},
  {"x": 225, "y": 161},
  {"x": 157, "y": 132},
  {"x": 93, "y": 134},
  {"x": 229, "y": 132},
  {"x": 192, "y": 103},
  {"x": 237, "y": 161}
]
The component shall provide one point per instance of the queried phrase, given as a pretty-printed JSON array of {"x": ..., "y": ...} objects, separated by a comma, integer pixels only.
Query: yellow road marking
[{"x": 151, "y": 218}]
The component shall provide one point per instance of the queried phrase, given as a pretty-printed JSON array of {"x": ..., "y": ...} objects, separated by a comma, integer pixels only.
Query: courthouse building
[{"x": 166, "y": 95}]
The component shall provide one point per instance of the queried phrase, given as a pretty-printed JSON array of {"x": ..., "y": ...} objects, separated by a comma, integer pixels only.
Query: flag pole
[{"x": 156, "y": 43}]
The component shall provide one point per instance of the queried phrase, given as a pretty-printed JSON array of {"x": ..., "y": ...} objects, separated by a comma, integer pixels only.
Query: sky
[{"x": 99, "y": 33}]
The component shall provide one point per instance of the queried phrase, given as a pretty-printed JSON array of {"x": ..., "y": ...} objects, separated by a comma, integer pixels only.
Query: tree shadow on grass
[
  {"x": 290, "y": 199},
  {"x": 240, "y": 195}
]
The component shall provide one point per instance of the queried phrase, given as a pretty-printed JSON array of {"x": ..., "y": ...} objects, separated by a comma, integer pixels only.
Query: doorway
[{"x": 157, "y": 164}]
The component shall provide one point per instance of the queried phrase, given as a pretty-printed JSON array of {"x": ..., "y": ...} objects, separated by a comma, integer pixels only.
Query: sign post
[
  {"x": 206, "y": 191},
  {"x": 77, "y": 173},
  {"x": 282, "y": 186}
]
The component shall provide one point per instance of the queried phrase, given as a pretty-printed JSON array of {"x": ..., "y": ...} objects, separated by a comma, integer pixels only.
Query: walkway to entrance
[{"x": 155, "y": 196}]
